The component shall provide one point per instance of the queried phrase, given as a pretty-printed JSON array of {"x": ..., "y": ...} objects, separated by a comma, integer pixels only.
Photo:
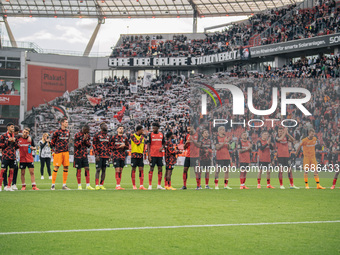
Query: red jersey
[
  {"x": 192, "y": 150},
  {"x": 60, "y": 139},
  {"x": 156, "y": 141},
  {"x": 338, "y": 149},
  {"x": 25, "y": 157},
  {"x": 264, "y": 151},
  {"x": 244, "y": 157},
  {"x": 282, "y": 147},
  {"x": 223, "y": 153}
]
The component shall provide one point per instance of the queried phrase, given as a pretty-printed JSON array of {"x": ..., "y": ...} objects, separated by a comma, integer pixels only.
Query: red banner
[
  {"x": 94, "y": 100},
  {"x": 9, "y": 100},
  {"x": 47, "y": 83}
]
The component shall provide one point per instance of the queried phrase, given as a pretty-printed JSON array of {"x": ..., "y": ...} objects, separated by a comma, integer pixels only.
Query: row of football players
[
  {"x": 200, "y": 148},
  {"x": 103, "y": 145},
  {"x": 198, "y": 153}
]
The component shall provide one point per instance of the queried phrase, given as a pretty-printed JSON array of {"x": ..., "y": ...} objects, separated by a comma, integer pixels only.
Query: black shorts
[
  {"x": 205, "y": 163},
  {"x": 8, "y": 163},
  {"x": 170, "y": 167},
  {"x": 23, "y": 165},
  {"x": 244, "y": 166},
  {"x": 223, "y": 162},
  {"x": 190, "y": 162},
  {"x": 137, "y": 162},
  {"x": 118, "y": 163},
  {"x": 264, "y": 164},
  {"x": 79, "y": 163},
  {"x": 283, "y": 161},
  {"x": 102, "y": 163},
  {"x": 156, "y": 161}
]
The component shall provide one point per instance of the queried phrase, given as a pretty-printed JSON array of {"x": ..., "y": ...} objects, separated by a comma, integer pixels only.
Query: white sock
[
  {"x": 79, "y": 185},
  {"x": 87, "y": 184},
  {"x": 64, "y": 185}
]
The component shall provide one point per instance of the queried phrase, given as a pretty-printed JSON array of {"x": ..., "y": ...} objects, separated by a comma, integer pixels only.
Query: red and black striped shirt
[
  {"x": 170, "y": 153},
  {"x": 8, "y": 148},
  {"x": 101, "y": 145},
  {"x": 81, "y": 145},
  {"x": 60, "y": 140},
  {"x": 115, "y": 143}
]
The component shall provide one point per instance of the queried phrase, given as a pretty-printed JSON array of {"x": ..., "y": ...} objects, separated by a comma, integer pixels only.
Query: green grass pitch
[{"x": 44, "y": 210}]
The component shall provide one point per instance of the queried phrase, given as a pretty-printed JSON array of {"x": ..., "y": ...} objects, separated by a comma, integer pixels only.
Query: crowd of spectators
[
  {"x": 272, "y": 26},
  {"x": 164, "y": 101},
  {"x": 322, "y": 19},
  {"x": 315, "y": 67},
  {"x": 170, "y": 100},
  {"x": 7, "y": 88},
  {"x": 324, "y": 106}
]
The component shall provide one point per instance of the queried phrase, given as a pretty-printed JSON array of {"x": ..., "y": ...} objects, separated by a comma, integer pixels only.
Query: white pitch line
[{"x": 168, "y": 227}]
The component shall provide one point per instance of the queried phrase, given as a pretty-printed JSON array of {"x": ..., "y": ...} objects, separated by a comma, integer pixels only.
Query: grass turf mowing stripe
[{"x": 168, "y": 227}]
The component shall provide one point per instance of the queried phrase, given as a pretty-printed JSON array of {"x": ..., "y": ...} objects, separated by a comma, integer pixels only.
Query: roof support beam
[
  {"x": 93, "y": 38},
  {"x": 194, "y": 22},
  {"x": 10, "y": 34},
  {"x": 195, "y": 15},
  {"x": 224, "y": 25}
]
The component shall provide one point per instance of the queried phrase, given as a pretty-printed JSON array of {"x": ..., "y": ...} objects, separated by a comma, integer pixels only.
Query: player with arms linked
[
  {"x": 205, "y": 159},
  {"x": 170, "y": 159},
  {"x": 309, "y": 158},
  {"x": 192, "y": 150},
  {"x": 155, "y": 148},
  {"x": 101, "y": 149},
  {"x": 244, "y": 148},
  {"x": 282, "y": 139},
  {"x": 137, "y": 154},
  {"x": 9, "y": 145},
  {"x": 26, "y": 145},
  {"x": 59, "y": 143},
  {"x": 336, "y": 167},
  {"x": 264, "y": 145},
  {"x": 119, "y": 144},
  {"x": 223, "y": 158},
  {"x": 16, "y": 165},
  {"x": 82, "y": 141}
]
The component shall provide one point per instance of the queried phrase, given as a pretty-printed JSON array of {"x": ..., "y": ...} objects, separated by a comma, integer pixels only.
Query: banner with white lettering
[
  {"x": 296, "y": 45},
  {"x": 243, "y": 54},
  {"x": 175, "y": 61}
]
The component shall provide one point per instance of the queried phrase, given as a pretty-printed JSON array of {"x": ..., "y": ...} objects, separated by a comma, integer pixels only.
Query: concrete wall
[{"x": 85, "y": 65}]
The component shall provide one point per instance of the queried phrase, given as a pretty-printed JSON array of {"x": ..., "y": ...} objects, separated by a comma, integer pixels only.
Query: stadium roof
[{"x": 135, "y": 8}]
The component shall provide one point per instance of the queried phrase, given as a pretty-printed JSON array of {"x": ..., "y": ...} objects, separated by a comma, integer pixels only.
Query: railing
[{"x": 33, "y": 46}]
